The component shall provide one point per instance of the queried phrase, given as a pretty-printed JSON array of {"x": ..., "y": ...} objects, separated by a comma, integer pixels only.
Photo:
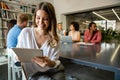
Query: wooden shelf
[{"x": 10, "y": 10}]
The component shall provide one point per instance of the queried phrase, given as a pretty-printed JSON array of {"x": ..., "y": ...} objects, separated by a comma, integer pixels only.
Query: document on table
[
  {"x": 25, "y": 54},
  {"x": 84, "y": 43}
]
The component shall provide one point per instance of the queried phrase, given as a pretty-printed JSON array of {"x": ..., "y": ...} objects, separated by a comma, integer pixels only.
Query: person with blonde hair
[
  {"x": 43, "y": 36},
  {"x": 61, "y": 32},
  {"x": 12, "y": 36}
]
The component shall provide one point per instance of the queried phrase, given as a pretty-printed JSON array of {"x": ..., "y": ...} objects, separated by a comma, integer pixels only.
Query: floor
[
  {"x": 3, "y": 72},
  {"x": 73, "y": 72}
]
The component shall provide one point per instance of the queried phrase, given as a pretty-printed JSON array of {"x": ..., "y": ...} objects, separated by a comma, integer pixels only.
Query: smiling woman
[
  {"x": 43, "y": 36},
  {"x": 42, "y": 17}
]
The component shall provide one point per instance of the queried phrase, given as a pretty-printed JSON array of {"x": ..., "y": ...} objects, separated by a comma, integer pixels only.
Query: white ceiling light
[
  {"x": 116, "y": 14},
  {"x": 99, "y": 15}
]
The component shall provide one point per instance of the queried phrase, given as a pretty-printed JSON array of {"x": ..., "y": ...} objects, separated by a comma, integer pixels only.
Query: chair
[
  {"x": 12, "y": 69},
  {"x": 3, "y": 60},
  {"x": 3, "y": 57}
]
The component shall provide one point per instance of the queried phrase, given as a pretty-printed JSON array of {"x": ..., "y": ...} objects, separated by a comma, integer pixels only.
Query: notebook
[
  {"x": 25, "y": 54},
  {"x": 66, "y": 39},
  {"x": 84, "y": 43}
]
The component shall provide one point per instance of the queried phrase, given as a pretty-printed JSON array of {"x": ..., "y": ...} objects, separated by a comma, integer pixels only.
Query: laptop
[
  {"x": 25, "y": 54},
  {"x": 66, "y": 39}
]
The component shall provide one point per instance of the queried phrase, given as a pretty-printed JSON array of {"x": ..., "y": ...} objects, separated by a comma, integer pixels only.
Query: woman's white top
[
  {"x": 74, "y": 35},
  {"x": 26, "y": 39}
]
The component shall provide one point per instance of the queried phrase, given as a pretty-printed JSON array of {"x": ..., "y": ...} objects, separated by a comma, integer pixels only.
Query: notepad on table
[{"x": 84, "y": 43}]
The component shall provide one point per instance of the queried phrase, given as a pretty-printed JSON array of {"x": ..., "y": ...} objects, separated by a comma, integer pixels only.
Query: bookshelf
[{"x": 9, "y": 10}]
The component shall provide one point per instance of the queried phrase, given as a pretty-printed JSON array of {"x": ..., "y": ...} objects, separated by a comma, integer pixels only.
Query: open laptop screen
[{"x": 66, "y": 39}]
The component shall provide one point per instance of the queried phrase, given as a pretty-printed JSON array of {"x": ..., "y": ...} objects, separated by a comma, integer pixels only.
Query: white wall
[
  {"x": 68, "y": 6},
  {"x": 36, "y": 1},
  {"x": 30, "y": 1}
]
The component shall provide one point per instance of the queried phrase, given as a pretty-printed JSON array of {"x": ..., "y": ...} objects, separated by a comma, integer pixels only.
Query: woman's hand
[{"x": 43, "y": 61}]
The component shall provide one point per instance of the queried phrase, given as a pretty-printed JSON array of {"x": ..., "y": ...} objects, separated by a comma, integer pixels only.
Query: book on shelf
[
  {"x": 4, "y": 13},
  {"x": 23, "y": 8},
  {"x": 12, "y": 15},
  {"x": 4, "y": 5},
  {"x": 5, "y": 24},
  {"x": 0, "y": 23},
  {"x": 0, "y": 34},
  {"x": 8, "y": 14},
  {"x": 1, "y": 43},
  {"x": 4, "y": 33}
]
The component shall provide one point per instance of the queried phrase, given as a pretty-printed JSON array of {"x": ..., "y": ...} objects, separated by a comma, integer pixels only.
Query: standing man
[{"x": 12, "y": 37}]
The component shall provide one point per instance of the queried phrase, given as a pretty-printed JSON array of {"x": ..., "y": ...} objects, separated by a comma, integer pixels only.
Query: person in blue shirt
[
  {"x": 11, "y": 23},
  {"x": 12, "y": 36}
]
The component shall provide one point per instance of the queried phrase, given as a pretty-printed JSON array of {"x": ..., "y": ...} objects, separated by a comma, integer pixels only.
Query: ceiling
[{"x": 106, "y": 13}]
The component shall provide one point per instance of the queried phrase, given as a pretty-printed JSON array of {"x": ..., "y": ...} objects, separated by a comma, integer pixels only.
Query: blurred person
[
  {"x": 12, "y": 36},
  {"x": 74, "y": 32},
  {"x": 60, "y": 30},
  {"x": 92, "y": 35}
]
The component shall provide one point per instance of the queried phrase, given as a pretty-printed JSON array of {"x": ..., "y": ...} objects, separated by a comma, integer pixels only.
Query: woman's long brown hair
[{"x": 52, "y": 29}]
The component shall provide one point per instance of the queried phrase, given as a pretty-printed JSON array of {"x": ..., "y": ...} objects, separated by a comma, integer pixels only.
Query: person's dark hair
[
  {"x": 11, "y": 23},
  {"x": 90, "y": 24},
  {"x": 49, "y": 9},
  {"x": 75, "y": 25}
]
